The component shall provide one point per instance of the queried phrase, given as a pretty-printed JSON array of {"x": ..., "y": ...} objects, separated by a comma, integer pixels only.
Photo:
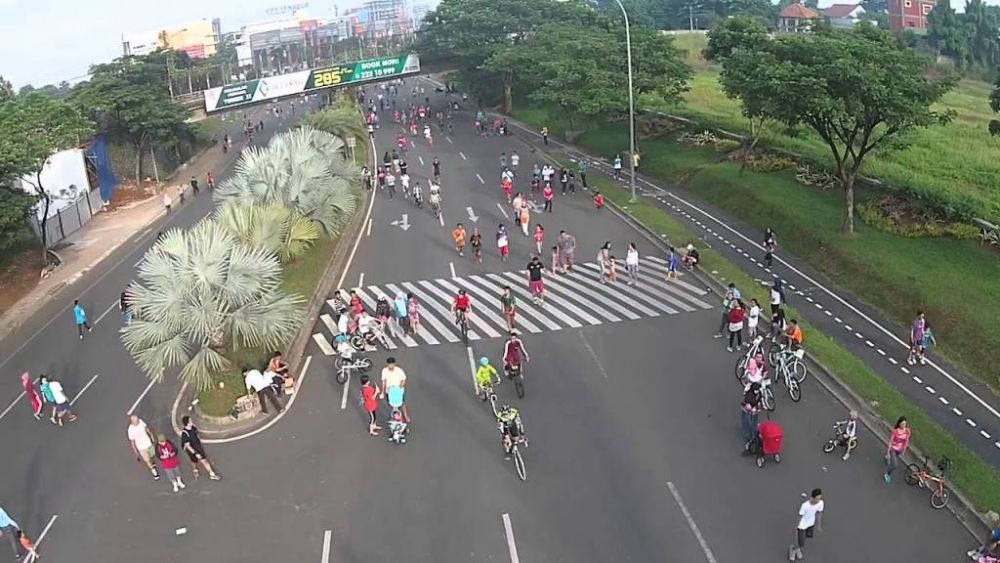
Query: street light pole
[{"x": 631, "y": 102}]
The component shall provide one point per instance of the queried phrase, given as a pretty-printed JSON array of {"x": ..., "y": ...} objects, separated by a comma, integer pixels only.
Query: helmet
[
  {"x": 340, "y": 338},
  {"x": 484, "y": 361}
]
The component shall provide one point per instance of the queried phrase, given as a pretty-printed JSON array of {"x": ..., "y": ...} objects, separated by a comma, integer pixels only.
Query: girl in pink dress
[
  {"x": 32, "y": 393},
  {"x": 539, "y": 236}
]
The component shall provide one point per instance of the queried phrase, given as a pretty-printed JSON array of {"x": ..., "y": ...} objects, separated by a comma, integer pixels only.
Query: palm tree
[
  {"x": 341, "y": 121},
  {"x": 200, "y": 293},
  {"x": 273, "y": 227},
  {"x": 304, "y": 170}
]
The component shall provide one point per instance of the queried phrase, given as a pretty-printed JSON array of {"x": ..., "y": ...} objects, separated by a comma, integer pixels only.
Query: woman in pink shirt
[
  {"x": 547, "y": 194},
  {"x": 898, "y": 442}
]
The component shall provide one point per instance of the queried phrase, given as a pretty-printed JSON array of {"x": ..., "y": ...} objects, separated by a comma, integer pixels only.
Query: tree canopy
[
  {"x": 858, "y": 91},
  {"x": 971, "y": 38}
]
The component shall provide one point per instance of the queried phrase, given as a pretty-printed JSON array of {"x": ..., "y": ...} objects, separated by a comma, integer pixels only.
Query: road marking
[
  {"x": 858, "y": 334},
  {"x": 112, "y": 306},
  {"x": 956, "y": 411},
  {"x": 327, "y": 537},
  {"x": 368, "y": 233},
  {"x": 480, "y": 178},
  {"x": 893, "y": 361},
  {"x": 918, "y": 380},
  {"x": 929, "y": 389},
  {"x": 827, "y": 311},
  {"x": 324, "y": 344},
  {"x": 462, "y": 154},
  {"x": 41, "y": 536},
  {"x": 838, "y": 320},
  {"x": 447, "y": 138},
  {"x": 441, "y": 218},
  {"x": 881, "y": 352},
  {"x": 985, "y": 434},
  {"x": 421, "y": 160},
  {"x": 848, "y": 327},
  {"x": 451, "y": 265},
  {"x": 509, "y": 532},
  {"x": 691, "y": 523},
  {"x": 502, "y": 210},
  {"x": 870, "y": 343},
  {"x": 143, "y": 396},
  {"x": 361, "y": 280},
  {"x": 943, "y": 400},
  {"x": 85, "y": 387},
  {"x": 472, "y": 368},
  {"x": 970, "y": 422},
  {"x": 593, "y": 355},
  {"x": 904, "y": 370}
]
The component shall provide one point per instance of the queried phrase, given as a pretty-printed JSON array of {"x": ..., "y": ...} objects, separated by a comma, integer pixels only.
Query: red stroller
[{"x": 767, "y": 442}]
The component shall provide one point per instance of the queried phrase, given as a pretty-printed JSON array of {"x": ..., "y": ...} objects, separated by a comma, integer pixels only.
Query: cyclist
[
  {"x": 850, "y": 433},
  {"x": 513, "y": 349},
  {"x": 486, "y": 376},
  {"x": 508, "y": 305},
  {"x": 459, "y": 235},
  {"x": 503, "y": 242},
  {"x": 792, "y": 337},
  {"x": 476, "y": 240},
  {"x": 509, "y": 424},
  {"x": 435, "y": 198},
  {"x": 437, "y": 167},
  {"x": 461, "y": 307}
]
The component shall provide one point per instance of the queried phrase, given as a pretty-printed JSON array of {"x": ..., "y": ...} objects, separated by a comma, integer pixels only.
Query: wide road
[{"x": 632, "y": 414}]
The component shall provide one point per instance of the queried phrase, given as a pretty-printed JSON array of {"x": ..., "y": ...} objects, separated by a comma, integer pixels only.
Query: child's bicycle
[{"x": 926, "y": 478}]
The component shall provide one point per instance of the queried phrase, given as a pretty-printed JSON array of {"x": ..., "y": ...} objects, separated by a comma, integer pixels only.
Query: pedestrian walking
[
  {"x": 167, "y": 453},
  {"x": 672, "y": 262},
  {"x": 539, "y": 237},
  {"x": 390, "y": 182},
  {"x": 10, "y": 528},
  {"x": 598, "y": 200},
  {"x": 545, "y": 135},
  {"x": 548, "y": 194},
  {"x": 413, "y": 312},
  {"x": 515, "y": 160},
  {"x": 567, "y": 250},
  {"x": 62, "y": 402},
  {"x": 581, "y": 169},
  {"x": 503, "y": 160},
  {"x": 369, "y": 394},
  {"x": 503, "y": 242},
  {"x": 36, "y": 400},
  {"x": 929, "y": 340},
  {"x": 167, "y": 202},
  {"x": 899, "y": 440},
  {"x": 525, "y": 216},
  {"x": 564, "y": 179},
  {"x": 917, "y": 340},
  {"x": 47, "y": 395},
  {"x": 394, "y": 376},
  {"x": 258, "y": 384},
  {"x": 125, "y": 306},
  {"x": 604, "y": 261},
  {"x": 732, "y": 294},
  {"x": 397, "y": 323},
  {"x": 191, "y": 444},
  {"x": 80, "y": 317},
  {"x": 140, "y": 439},
  {"x": 753, "y": 319},
  {"x": 616, "y": 165},
  {"x": 777, "y": 296},
  {"x": 769, "y": 243},
  {"x": 572, "y": 182},
  {"x": 810, "y": 518},
  {"x": 556, "y": 261},
  {"x": 632, "y": 263}
]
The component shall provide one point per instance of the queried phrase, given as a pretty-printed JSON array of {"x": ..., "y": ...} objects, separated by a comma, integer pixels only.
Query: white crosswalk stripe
[{"x": 570, "y": 301}]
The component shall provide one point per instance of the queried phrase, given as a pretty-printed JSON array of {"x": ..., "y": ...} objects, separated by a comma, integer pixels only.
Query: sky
[{"x": 44, "y": 42}]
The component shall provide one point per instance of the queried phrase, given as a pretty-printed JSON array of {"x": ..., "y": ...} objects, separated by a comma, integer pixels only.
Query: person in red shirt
[
  {"x": 598, "y": 200},
  {"x": 209, "y": 180},
  {"x": 548, "y": 194},
  {"x": 735, "y": 316},
  {"x": 461, "y": 307},
  {"x": 508, "y": 188},
  {"x": 369, "y": 392},
  {"x": 167, "y": 454}
]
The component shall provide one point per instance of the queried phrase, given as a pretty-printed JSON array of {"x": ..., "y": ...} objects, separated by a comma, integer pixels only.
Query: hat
[{"x": 690, "y": 247}]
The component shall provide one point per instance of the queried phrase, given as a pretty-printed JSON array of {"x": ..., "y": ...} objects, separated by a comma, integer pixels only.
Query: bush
[
  {"x": 770, "y": 163},
  {"x": 905, "y": 225},
  {"x": 727, "y": 145}
]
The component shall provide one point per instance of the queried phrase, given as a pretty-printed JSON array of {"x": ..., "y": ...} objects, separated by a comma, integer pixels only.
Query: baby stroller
[{"x": 767, "y": 442}]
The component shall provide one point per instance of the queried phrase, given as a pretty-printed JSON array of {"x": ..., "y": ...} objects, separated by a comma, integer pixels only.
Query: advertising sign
[{"x": 272, "y": 87}]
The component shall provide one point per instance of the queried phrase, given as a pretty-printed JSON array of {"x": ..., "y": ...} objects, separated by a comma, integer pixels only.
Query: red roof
[
  {"x": 798, "y": 11},
  {"x": 841, "y": 10}
]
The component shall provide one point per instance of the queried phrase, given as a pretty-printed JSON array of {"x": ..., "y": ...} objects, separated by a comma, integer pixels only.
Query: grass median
[{"x": 979, "y": 482}]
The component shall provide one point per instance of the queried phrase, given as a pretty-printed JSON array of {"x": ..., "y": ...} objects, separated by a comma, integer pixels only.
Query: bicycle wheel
[
  {"x": 799, "y": 371},
  {"x": 912, "y": 474},
  {"x": 741, "y": 367},
  {"x": 829, "y": 446},
  {"x": 794, "y": 391},
  {"x": 519, "y": 386},
  {"x": 342, "y": 376},
  {"x": 338, "y": 362},
  {"x": 939, "y": 498},
  {"x": 463, "y": 325},
  {"x": 365, "y": 364},
  {"x": 772, "y": 354},
  {"x": 767, "y": 399},
  {"x": 519, "y": 464}
]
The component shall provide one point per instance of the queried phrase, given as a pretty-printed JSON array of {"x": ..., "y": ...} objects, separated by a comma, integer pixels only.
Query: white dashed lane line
[
  {"x": 970, "y": 422},
  {"x": 918, "y": 380},
  {"x": 943, "y": 400},
  {"x": 904, "y": 370},
  {"x": 985, "y": 434},
  {"x": 893, "y": 361},
  {"x": 929, "y": 389}
]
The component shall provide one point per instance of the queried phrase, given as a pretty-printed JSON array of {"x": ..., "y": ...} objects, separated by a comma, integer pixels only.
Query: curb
[{"x": 973, "y": 521}]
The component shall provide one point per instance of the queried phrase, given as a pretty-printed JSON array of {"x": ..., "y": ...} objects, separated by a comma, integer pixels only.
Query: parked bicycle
[
  {"x": 779, "y": 354},
  {"x": 345, "y": 366},
  {"x": 927, "y": 478},
  {"x": 788, "y": 366},
  {"x": 756, "y": 347}
]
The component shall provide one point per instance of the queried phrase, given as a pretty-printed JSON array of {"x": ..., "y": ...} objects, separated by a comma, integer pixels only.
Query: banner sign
[{"x": 273, "y": 87}]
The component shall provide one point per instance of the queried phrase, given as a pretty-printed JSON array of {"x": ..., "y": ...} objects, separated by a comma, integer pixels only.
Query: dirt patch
[
  {"x": 127, "y": 193},
  {"x": 18, "y": 276}
]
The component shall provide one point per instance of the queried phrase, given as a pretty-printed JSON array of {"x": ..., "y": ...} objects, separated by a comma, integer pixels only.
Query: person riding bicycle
[
  {"x": 418, "y": 194},
  {"x": 367, "y": 324},
  {"x": 461, "y": 306},
  {"x": 850, "y": 432},
  {"x": 792, "y": 337},
  {"x": 344, "y": 348},
  {"x": 513, "y": 350},
  {"x": 486, "y": 375},
  {"x": 510, "y": 427}
]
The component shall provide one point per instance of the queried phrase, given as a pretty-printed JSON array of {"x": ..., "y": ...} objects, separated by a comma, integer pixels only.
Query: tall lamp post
[{"x": 631, "y": 103}]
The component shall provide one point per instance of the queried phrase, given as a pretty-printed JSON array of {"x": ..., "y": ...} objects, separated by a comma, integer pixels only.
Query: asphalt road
[{"x": 633, "y": 423}]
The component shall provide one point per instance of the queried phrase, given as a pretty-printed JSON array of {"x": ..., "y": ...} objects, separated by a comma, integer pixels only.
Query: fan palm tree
[
  {"x": 341, "y": 121},
  {"x": 303, "y": 170},
  {"x": 273, "y": 227},
  {"x": 199, "y": 293}
]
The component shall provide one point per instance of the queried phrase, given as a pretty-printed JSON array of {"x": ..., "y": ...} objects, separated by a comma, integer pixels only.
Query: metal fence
[{"x": 70, "y": 218}]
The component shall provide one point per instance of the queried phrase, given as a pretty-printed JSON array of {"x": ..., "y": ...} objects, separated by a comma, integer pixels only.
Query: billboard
[{"x": 272, "y": 87}]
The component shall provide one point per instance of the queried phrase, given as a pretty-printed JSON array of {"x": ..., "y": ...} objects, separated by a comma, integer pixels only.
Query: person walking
[
  {"x": 672, "y": 262},
  {"x": 810, "y": 518},
  {"x": 50, "y": 399},
  {"x": 539, "y": 237},
  {"x": 125, "y": 306},
  {"x": 394, "y": 376},
  {"x": 191, "y": 443},
  {"x": 567, "y": 250},
  {"x": 413, "y": 312},
  {"x": 61, "y": 401},
  {"x": 604, "y": 261},
  {"x": 545, "y": 135},
  {"x": 769, "y": 243},
  {"x": 36, "y": 400},
  {"x": 753, "y": 319},
  {"x": 581, "y": 169},
  {"x": 167, "y": 453},
  {"x": 548, "y": 194},
  {"x": 632, "y": 263},
  {"x": 140, "y": 439},
  {"x": 917, "y": 340},
  {"x": 616, "y": 165},
  {"x": 777, "y": 296},
  {"x": 369, "y": 394},
  {"x": 167, "y": 202},
  {"x": 80, "y": 317},
  {"x": 899, "y": 440},
  {"x": 9, "y": 528},
  {"x": 258, "y": 384},
  {"x": 732, "y": 294},
  {"x": 525, "y": 216}
]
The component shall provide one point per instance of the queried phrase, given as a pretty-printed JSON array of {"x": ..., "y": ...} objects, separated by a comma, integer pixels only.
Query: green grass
[{"x": 977, "y": 480}]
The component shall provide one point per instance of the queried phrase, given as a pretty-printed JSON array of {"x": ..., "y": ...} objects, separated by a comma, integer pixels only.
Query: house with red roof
[
  {"x": 844, "y": 15},
  {"x": 796, "y": 18}
]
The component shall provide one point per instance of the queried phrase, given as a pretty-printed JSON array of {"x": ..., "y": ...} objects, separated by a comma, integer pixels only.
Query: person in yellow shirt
[
  {"x": 459, "y": 235},
  {"x": 486, "y": 375}
]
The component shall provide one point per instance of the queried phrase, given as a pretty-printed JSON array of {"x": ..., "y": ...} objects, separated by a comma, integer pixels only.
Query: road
[{"x": 631, "y": 410}]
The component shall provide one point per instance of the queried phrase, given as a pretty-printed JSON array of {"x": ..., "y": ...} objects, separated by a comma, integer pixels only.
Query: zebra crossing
[{"x": 571, "y": 301}]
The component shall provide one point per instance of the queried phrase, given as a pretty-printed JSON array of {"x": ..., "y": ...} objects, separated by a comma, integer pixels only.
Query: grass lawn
[
  {"x": 956, "y": 161},
  {"x": 977, "y": 480}
]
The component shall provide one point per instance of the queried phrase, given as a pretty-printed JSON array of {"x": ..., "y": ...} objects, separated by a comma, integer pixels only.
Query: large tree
[
  {"x": 32, "y": 128},
  {"x": 858, "y": 91},
  {"x": 16, "y": 207}
]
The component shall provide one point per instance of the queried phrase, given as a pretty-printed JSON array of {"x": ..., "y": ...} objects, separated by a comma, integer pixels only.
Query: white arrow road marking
[
  {"x": 472, "y": 215},
  {"x": 402, "y": 223}
]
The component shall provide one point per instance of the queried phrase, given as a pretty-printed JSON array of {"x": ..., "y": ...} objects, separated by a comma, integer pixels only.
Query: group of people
[
  {"x": 274, "y": 382},
  {"x": 393, "y": 391},
  {"x": 49, "y": 392},
  {"x": 150, "y": 449}
]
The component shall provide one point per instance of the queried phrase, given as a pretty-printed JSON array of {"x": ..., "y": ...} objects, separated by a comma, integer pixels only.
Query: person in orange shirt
[
  {"x": 459, "y": 235},
  {"x": 793, "y": 335},
  {"x": 28, "y": 547}
]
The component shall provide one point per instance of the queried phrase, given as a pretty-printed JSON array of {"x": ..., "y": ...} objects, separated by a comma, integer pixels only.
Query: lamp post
[{"x": 631, "y": 103}]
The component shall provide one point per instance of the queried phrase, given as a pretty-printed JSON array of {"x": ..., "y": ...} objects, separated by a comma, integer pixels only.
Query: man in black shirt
[
  {"x": 437, "y": 167},
  {"x": 535, "y": 286},
  {"x": 191, "y": 443}
]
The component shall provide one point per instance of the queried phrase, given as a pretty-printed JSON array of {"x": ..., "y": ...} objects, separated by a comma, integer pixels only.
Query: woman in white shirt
[
  {"x": 753, "y": 317},
  {"x": 632, "y": 263}
]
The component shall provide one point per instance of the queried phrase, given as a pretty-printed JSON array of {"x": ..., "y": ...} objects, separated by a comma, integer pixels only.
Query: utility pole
[{"x": 691, "y": 17}]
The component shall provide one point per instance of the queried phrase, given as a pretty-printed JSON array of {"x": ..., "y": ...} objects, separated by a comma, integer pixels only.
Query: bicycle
[
  {"x": 927, "y": 479},
  {"x": 779, "y": 353},
  {"x": 346, "y": 365},
  {"x": 491, "y": 396},
  {"x": 515, "y": 453},
  {"x": 462, "y": 320},
  {"x": 515, "y": 374},
  {"x": 756, "y": 347},
  {"x": 839, "y": 438},
  {"x": 789, "y": 374}
]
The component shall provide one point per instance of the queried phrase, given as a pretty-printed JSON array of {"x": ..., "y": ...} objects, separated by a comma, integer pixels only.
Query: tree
[
  {"x": 876, "y": 11},
  {"x": 6, "y": 90},
  {"x": 273, "y": 227},
  {"x": 303, "y": 170},
  {"x": 16, "y": 207},
  {"x": 858, "y": 91},
  {"x": 994, "y": 125},
  {"x": 341, "y": 121},
  {"x": 948, "y": 31},
  {"x": 200, "y": 293},
  {"x": 32, "y": 129}
]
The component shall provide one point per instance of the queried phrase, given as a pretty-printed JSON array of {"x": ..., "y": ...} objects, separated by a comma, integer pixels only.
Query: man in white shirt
[
  {"x": 404, "y": 179},
  {"x": 515, "y": 160},
  {"x": 140, "y": 438},
  {"x": 810, "y": 516},
  {"x": 62, "y": 402},
  {"x": 394, "y": 376},
  {"x": 259, "y": 384}
]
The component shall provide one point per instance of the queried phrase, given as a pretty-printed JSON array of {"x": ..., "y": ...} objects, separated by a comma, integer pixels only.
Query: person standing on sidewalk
[
  {"x": 140, "y": 438},
  {"x": 191, "y": 443},
  {"x": 10, "y": 528},
  {"x": 810, "y": 518},
  {"x": 32, "y": 393},
  {"x": 899, "y": 440},
  {"x": 80, "y": 316},
  {"x": 394, "y": 376}
]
